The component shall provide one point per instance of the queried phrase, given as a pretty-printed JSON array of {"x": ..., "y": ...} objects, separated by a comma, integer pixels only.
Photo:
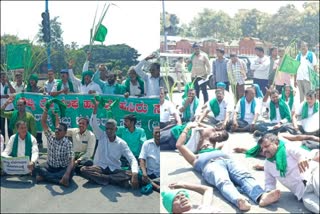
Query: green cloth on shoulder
[
  {"x": 283, "y": 108},
  {"x": 214, "y": 106},
  {"x": 281, "y": 159},
  {"x": 304, "y": 112},
  {"x": 178, "y": 129},
  {"x": 207, "y": 150},
  {"x": 28, "y": 146}
]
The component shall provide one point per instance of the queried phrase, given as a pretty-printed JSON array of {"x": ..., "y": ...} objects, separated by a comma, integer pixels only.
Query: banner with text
[
  {"x": 15, "y": 166},
  {"x": 147, "y": 110}
]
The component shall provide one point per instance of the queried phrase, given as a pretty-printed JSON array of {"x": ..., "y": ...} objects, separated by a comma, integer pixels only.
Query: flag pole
[{"x": 91, "y": 30}]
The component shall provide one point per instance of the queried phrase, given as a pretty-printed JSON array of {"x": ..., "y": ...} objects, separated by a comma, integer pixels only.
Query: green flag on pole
[
  {"x": 101, "y": 33},
  {"x": 289, "y": 65},
  {"x": 314, "y": 78},
  {"x": 18, "y": 56}
]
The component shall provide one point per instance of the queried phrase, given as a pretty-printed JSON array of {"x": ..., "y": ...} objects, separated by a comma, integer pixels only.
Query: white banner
[{"x": 15, "y": 166}]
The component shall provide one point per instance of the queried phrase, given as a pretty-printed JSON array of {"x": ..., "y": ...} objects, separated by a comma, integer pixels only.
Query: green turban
[
  {"x": 34, "y": 77},
  {"x": 168, "y": 198},
  {"x": 85, "y": 73}
]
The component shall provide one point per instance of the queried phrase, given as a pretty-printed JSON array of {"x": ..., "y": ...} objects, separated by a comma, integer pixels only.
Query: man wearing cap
[
  {"x": 237, "y": 72},
  {"x": 32, "y": 84},
  {"x": 219, "y": 69},
  {"x": 48, "y": 85},
  {"x": 18, "y": 84},
  {"x": 260, "y": 69},
  {"x": 5, "y": 90},
  {"x": 199, "y": 71}
]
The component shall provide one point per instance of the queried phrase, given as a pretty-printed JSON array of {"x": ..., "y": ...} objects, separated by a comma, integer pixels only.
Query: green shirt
[
  {"x": 134, "y": 139},
  {"x": 27, "y": 117}
]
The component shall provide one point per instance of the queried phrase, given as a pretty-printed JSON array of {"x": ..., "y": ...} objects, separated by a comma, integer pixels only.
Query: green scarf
[
  {"x": 102, "y": 102},
  {"x": 5, "y": 91},
  {"x": 283, "y": 108},
  {"x": 187, "y": 113},
  {"x": 207, "y": 150},
  {"x": 32, "y": 77},
  {"x": 140, "y": 82},
  {"x": 186, "y": 89},
  {"x": 304, "y": 112},
  {"x": 281, "y": 159},
  {"x": 283, "y": 96},
  {"x": 59, "y": 85},
  {"x": 28, "y": 146},
  {"x": 85, "y": 73},
  {"x": 214, "y": 105},
  {"x": 62, "y": 106},
  {"x": 178, "y": 129},
  {"x": 168, "y": 198},
  {"x": 13, "y": 119}
]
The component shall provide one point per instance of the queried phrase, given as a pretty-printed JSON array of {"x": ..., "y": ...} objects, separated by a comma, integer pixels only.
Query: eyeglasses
[{"x": 59, "y": 129}]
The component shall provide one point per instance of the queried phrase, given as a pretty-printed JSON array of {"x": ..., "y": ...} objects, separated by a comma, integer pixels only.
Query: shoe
[{"x": 257, "y": 133}]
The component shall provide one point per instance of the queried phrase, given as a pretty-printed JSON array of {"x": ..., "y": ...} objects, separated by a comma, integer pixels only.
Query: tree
[{"x": 171, "y": 22}]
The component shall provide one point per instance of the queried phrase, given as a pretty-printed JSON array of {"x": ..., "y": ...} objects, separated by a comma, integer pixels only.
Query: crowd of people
[
  {"x": 114, "y": 155},
  {"x": 269, "y": 109}
]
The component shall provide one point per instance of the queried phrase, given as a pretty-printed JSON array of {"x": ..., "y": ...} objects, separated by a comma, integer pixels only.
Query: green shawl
[
  {"x": 59, "y": 85},
  {"x": 187, "y": 113},
  {"x": 281, "y": 159},
  {"x": 140, "y": 82},
  {"x": 214, "y": 105},
  {"x": 207, "y": 150},
  {"x": 283, "y": 108},
  {"x": 13, "y": 119},
  {"x": 28, "y": 146},
  {"x": 304, "y": 112},
  {"x": 283, "y": 96}
]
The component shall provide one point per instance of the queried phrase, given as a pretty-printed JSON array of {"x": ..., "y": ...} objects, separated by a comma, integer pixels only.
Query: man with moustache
[{"x": 189, "y": 106}]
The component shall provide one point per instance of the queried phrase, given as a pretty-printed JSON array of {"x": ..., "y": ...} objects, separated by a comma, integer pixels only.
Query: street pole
[
  {"x": 48, "y": 44},
  {"x": 164, "y": 27}
]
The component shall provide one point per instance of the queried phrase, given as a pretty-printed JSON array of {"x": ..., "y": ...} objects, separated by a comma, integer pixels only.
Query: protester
[
  {"x": 32, "y": 84},
  {"x": 281, "y": 78},
  {"x": 167, "y": 109},
  {"x": 200, "y": 71},
  {"x": 18, "y": 85},
  {"x": 291, "y": 166},
  {"x": 189, "y": 106},
  {"x": 219, "y": 69},
  {"x": 63, "y": 85},
  {"x": 22, "y": 144},
  {"x": 273, "y": 56},
  {"x": 237, "y": 74},
  {"x": 249, "y": 109},
  {"x": 150, "y": 160},
  {"x": 19, "y": 114},
  {"x": 59, "y": 166},
  {"x": 134, "y": 85},
  {"x": 223, "y": 171},
  {"x": 260, "y": 69},
  {"x": 221, "y": 109},
  {"x": 48, "y": 85},
  {"x": 308, "y": 60},
  {"x": 5, "y": 91},
  {"x": 180, "y": 69},
  {"x": 106, "y": 167},
  {"x": 152, "y": 80}
]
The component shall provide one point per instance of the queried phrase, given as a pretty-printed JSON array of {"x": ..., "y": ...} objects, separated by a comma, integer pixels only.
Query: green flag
[
  {"x": 289, "y": 65},
  {"x": 101, "y": 33},
  {"x": 18, "y": 56},
  {"x": 314, "y": 78}
]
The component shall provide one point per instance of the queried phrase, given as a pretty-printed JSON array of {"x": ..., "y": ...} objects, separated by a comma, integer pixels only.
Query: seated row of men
[
  {"x": 103, "y": 166},
  {"x": 103, "y": 81},
  {"x": 285, "y": 113},
  {"x": 286, "y": 162}
]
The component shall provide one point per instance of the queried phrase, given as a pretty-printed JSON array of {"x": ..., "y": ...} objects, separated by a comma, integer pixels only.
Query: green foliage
[{"x": 172, "y": 23}]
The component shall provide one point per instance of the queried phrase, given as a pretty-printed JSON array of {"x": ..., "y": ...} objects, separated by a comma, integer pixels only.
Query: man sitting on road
[
  {"x": 221, "y": 108},
  {"x": 291, "y": 166},
  {"x": 189, "y": 106},
  {"x": 219, "y": 170},
  {"x": 107, "y": 165},
  {"x": 150, "y": 160},
  {"x": 248, "y": 108},
  {"x": 22, "y": 144},
  {"x": 60, "y": 161}
]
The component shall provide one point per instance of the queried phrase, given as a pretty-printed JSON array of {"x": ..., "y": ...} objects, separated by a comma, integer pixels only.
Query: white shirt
[
  {"x": 248, "y": 116},
  {"x": 135, "y": 89},
  {"x": 84, "y": 89},
  {"x": 21, "y": 148},
  {"x": 108, "y": 153},
  {"x": 293, "y": 178},
  {"x": 152, "y": 85},
  {"x": 261, "y": 67},
  {"x": 1, "y": 143},
  {"x": 310, "y": 110},
  {"x": 18, "y": 89},
  {"x": 48, "y": 86},
  {"x": 303, "y": 72},
  {"x": 277, "y": 119},
  {"x": 295, "y": 104},
  {"x": 166, "y": 109},
  {"x": 3, "y": 100},
  {"x": 225, "y": 107},
  {"x": 150, "y": 152},
  {"x": 82, "y": 142}
]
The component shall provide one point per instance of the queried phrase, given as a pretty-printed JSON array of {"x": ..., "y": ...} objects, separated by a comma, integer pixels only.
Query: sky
[
  {"x": 135, "y": 23},
  {"x": 187, "y": 10}
]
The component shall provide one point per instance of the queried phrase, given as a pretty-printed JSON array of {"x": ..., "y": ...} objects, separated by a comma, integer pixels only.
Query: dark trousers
[
  {"x": 202, "y": 87},
  {"x": 262, "y": 83},
  {"x": 263, "y": 127},
  {"x": 51, "y": 174},
  {"x": 167, "y": 140},
  {"x": 104, "y": 176},
  {"x": 243, "y": 126}
]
